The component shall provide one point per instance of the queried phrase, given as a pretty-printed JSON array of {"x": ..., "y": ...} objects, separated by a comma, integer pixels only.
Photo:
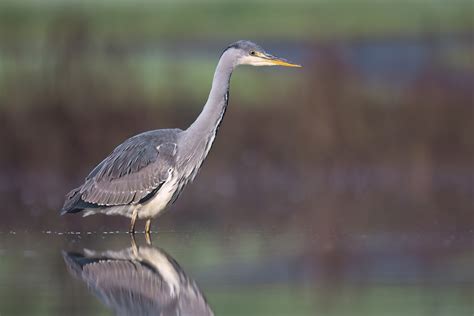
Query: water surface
[{"x": 235, "y": 273}]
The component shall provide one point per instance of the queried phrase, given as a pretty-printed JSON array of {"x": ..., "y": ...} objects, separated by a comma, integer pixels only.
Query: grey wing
[{"x": 136, "y": 168}]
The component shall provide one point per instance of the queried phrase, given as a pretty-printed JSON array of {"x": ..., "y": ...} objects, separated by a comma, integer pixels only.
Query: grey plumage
[
  {"x": 130, "y": 173},
  {"x": 147, "y": 172},
  {"x": 246, "y": 46}
]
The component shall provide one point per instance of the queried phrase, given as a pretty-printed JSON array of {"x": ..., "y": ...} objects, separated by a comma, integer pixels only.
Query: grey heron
[
  {"x": 138, "y": 281},
  {"x": 147, "y": 172}
]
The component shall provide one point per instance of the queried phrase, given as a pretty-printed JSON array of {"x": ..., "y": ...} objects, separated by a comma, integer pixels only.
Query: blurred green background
[
  {"x": 371, "y": 140},
  {"x": 382, "y": 108}
]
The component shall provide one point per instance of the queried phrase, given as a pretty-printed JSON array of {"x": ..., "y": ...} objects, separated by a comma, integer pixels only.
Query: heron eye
[{"x": 252, "y": 53}]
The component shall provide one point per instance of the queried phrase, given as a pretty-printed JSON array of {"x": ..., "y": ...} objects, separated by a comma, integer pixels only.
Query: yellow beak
[
  {"x": 277, "y": 61},
  {"x": 282, "y": 62}
]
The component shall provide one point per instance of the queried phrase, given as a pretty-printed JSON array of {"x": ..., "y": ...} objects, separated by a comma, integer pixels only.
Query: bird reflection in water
[{"x": 138, "y": 281}]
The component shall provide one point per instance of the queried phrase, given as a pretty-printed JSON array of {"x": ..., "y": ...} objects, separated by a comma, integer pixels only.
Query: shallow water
[{"x": 239, "y": 273}]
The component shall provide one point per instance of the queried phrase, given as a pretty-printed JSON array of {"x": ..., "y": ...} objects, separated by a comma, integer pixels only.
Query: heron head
[{"x": 249, "y": 53}]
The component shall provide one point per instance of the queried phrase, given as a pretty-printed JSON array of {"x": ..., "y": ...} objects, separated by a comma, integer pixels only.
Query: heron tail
[{"x": 73, "y": 198}]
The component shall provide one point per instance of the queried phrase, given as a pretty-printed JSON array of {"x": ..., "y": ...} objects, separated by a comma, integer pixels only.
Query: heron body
[{"x": 147, "y": 172}]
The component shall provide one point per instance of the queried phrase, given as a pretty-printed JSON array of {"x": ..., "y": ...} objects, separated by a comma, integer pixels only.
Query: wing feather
[{"x": 137, "y": 167}]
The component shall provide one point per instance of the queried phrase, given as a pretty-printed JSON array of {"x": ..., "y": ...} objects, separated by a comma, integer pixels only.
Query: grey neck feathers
[
  {"x": 197, "y": 140},
  {"x": 208, "y": 121}
]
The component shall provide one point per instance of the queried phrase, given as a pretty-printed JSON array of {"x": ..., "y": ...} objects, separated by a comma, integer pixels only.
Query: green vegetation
[
  {"x": 118, "y": 45},
  {"x": 138, "y": 20}
]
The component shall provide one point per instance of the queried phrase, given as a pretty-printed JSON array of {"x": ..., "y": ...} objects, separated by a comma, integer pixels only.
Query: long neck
[{"x": 211, "y": 116}]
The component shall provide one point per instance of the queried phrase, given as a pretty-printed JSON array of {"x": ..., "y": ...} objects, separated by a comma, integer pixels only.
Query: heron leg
[
  {"x": 134, "y": 245},
  {"x": 148, "y": 239},
  {"x": 148, "y": 226},
  {"x": 147, "y": 231},
  {"x": 134, "y": 219}
]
